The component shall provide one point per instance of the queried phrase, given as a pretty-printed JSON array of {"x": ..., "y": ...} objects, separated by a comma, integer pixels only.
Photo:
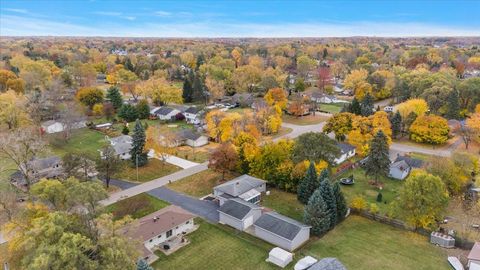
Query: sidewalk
[{"x": 180, "y": 162}]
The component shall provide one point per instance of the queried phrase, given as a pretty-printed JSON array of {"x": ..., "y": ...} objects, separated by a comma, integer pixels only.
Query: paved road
[
  {"x": 137, "y": 189},
  {"x": 405, "y": 148},
  {"x": 205, "y": 209},
  {"x": 298, "y": 130}
]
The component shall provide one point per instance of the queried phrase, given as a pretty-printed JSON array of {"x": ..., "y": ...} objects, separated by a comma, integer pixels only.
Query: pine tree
[
  {"x": 453, "y": 105},
  {"x": 316, "y": 214},
  {"x": 378, "y": 162},
  {"x": 128, "y": 113},
  {"x": 198, "y": 88},
  {"x": 200, "y": 61},
  {"x": 187, "y": 90},
  {"x": 125, "y": 130},
  {"x": 379, "y": 197},
  {"x": 367, "y": 105},
  {"x": 355, "y": 107},
  {"x": 341, "y": 203},
  {"x": 329, "y": 199},
  {"x": 143, "y": 265},
  {"x": 128, "y": 65},
  {"x": 113, "y": 94},
  {"x": 308, "y": 185},
  {"x": 138, "y": 143},
  {"x": 396, "y": 123},
  {"x": 143, "y": 110}
]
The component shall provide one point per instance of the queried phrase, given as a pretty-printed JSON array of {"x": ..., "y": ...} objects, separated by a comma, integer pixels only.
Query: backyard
[
  {"x": 82, "y": 141},
  {"x": 283, "y": 202},
  {"x": 200, "y": 184},
  {"x": 154, "y": 169},
  {"x": 331, "y": 108},
  {"x": 137, "y": 206},
  {"x": 305, "y": 120}
]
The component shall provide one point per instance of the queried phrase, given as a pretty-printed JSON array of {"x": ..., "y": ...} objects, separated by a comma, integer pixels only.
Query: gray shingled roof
[
  {"x": 237, "y": 208},
  {"x": 412, "y": 162},
  {"x": 43, "y": 163},
  {"x": 121, "y": 148},
  {"x": 327, "y": 264},
  {"x": 239, "y": 185},
  {"x": 164, "y": 111},
  {"x": 192, "y": 110},
  {"x": 280, "y": 225},
  {"x": 189, "y": 134},
  {"x": 345, "y": 147},
  {"x": 401, "y": 165},
  {"x": 121, "y": 139}
]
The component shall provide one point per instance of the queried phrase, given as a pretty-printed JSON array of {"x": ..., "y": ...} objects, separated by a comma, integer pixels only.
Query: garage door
[{"x": 248, "y": 222}]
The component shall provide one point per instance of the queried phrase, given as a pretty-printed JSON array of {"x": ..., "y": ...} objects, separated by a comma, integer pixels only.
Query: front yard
[
  {"x": 137, "y": 206},
  {"x": 305, "y": 120},
  {"x": 198, "y": 154},
  {"x": 200, "y": 184},
  {"x": 332, "y": 108},
  {"x": 153, "y": 170}
]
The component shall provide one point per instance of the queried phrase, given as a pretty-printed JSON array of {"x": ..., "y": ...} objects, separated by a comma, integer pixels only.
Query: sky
[{"x": 247, "y": 18}]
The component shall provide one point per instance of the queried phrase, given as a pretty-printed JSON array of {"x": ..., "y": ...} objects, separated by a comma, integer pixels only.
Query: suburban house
[
  {"x": 166, "y": 113},
  {"x": 191, "y": 138},
  {"x": 53, "y": 126},
  {"x": 239, "y": 214},
  {"x": 327, "y": 264},
  {"x": 474, "y": 257},
  {"x": 346, "y": 151},
  {"x": 319, "y": 97},
  {"x": 243, "y": 99},
  {"x": 122, "y": 146},
  {"x": 401, "y": 167},
  {"x": 193, "y": 115},
  {"x": 160, "y": 228},
  {"x": 49, "y": 167},
  {"x": 245, "y": 187},
  {"x": 281, "y": 231}
]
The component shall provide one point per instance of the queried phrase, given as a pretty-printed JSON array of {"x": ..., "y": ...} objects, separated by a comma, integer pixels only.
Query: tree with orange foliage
[
  {"x": 276, "y": 97},
  {"x": 224, "y": 159}
]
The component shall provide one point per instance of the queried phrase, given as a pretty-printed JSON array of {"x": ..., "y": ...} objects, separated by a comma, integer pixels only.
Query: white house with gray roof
[
  {"x": 239, "y": 214},
  {"x": 281, "y": 231},
  {"x": 166, "y": 113},
  {"x": 346, "y": 151},
  {"x": 122, "y": 146},
  {"x": 245, "y": 187},
  {"x": 193, "y": 115}
]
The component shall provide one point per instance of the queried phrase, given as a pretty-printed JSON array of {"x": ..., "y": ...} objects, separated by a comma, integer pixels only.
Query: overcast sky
[{"x": 239, "y": 18}]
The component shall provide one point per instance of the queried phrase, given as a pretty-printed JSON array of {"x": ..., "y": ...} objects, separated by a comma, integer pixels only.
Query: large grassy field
[
  {"x": 362, "y": 244},
  {"x": 137, "y": 206},
  {"x": 217, "y": 247},
  {"x": 82, "y": 141},
  {"x": 369, "y": 192},
  {"x": 199, "y": 184},
  {"x": 284, "y": 203},
  {"x": 331, "y": 108},
  {"x": 153, "y": 170}
]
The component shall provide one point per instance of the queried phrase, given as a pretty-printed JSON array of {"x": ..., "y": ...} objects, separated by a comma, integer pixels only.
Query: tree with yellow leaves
[
  {"x": 13, "y": 109},
  {"x": 213, "y": 119},
  {"x": 276, "y": 97},
  {"x": 418, "y": 106},
  {"x": 160, "y": 91},
  {"x": 237, "y": 56},
  {"x": 357, "y": 82},
  {"x": 364, "y": 129},
  {"x": 162, "y": 142},
  {"x": 473, "y": 123},
  {"x": 189, "y": 59},
  {"x": 430, "y": 129}
]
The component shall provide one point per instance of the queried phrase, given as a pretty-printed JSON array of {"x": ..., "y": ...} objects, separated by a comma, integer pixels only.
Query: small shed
[
  {"x": 280, "y": 257},
  {"x": 474, "y": 256},
  {"x": 442, "y": 240},
  {"x": 304, "y": 263}
]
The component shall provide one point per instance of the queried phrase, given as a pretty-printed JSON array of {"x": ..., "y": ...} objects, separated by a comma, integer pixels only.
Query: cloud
[
  {"x": 162, "y": 13},
  {"x": 108, "y": 13},
  {"x": 17, "y": 10}
]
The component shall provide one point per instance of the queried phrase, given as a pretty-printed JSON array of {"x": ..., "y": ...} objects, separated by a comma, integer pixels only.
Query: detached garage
[{"x": 239, "y": 214}]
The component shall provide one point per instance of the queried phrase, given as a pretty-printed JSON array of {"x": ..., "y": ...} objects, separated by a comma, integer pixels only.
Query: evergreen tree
[
  {"x": 341, "y": 203},
  {"x": 128, "y": 65},
  {"x": 143, "y": 265},
  {"x": 125, "y": 130},
  {"x": 330, "y": 201},
  {"x": 138, "y": 143},
  {"x": 367, "y": 105},
  {"x": 316, "y": 214},
  {"x": 198, "y": 88},
  {"x": 378, "y": 162},
  {"x": 143, "y": 110},
  {"x": 200, "y": 61},
  {"x": 113, "y": 94},
  {"x": 379, "y": 197},
  {"x": 128, "y": 113},
  {"x": 355, "y": 107},
  {"x": 396, "y": 123},
  {"x": 308, "y": 185},
  {"x": 187, "y": 90},
  {"x": 453, "y": 105}
]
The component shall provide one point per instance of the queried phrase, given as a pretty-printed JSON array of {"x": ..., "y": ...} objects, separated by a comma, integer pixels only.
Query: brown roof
[{"x": 475, "y": 252}]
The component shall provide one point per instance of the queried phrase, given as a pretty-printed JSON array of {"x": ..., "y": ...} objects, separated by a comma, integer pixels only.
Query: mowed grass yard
[
  {"x": 331, "y": 108},
  {"x": 154, "y": 169},
  {"x": 283, "y": 202},
  {"x": 217, "y": 247},
  {"x": 82, "y": 141},
  {"x": 362, "y": 244},
  {"x": 304, "y": 120},
  {"x": 362, "y": 188},
  {"x": 137, "y": 206},
  {"x": 199, "y": 184}
]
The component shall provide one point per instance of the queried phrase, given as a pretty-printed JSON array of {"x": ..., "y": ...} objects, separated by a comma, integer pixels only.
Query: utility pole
[{"x": 136, "y": 161}]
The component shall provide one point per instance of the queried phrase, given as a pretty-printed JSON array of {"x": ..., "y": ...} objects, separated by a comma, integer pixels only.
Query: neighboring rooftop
[
  {"x": 164, "y": 111},
  {"x": 345, "y": 147},
  {"x": 193, "y": 110},
  {"x": 240, "y": 185},
  {"x": 44, "y": 163},
  {"x": 189, "y": 134},
  {"x": 121, "y": 139},
  {"x": 412, "y": 162},
  {"x": 237, "y": 208},
  {"x": 280, "y": 225},
  {"x": 401, "y": 165}
]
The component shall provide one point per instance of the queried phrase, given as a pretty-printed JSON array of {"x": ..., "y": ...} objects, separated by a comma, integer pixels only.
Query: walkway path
[
  {"x": 180, "y": 162},
  {"x": 159, "y": 182},
  {"x": 205, "y": 209}
]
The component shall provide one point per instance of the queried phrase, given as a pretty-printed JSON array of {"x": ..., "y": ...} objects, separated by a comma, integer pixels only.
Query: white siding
[
  {"x": 302, "y": 236},
  {"x": 230, "y": 221},
  {"x": 158, "y": 239}
]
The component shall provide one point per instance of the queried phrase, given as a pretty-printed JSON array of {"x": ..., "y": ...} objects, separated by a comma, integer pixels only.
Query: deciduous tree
[
  {"x": 224, "y": 159},
  {"x": 315, "y": 146},
  {"x": 108, "y": 163},
  {"x": 429, "y": 129}
]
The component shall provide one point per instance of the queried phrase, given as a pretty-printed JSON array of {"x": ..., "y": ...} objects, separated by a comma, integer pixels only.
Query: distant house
[
  {"x": 101, "y": 78},
  {"x": 122, "y": 146},
  {"x": 191, "y": 138},
  {"x": 401, "y": 167},
  {"x": 239, "y": 214},
  {"x": 281, "y": 231},
  {"x": 327, "y": 264},
  {"x": 159, "y": 227},
  {"x": 53, "y": 126},
  {"x": 474, "y": 257},
  {"x": 388, "y": 109},
  {"x": 346, "y": 151},
  {"x": 193, "y": 115},
  {"x": 166, "y": 113},
  {"x": 319, "y": 97},
  {"x": 49, "y": 167},
  {"x": 245, "y": 187},
  {"x": 243, "y": 99}
]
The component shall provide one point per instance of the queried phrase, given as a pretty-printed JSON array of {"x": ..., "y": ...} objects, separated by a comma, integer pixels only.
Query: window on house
[
  {"x": 150, "y": 240},
  {"x": 188, "y": 222},
  {"x": 169, "y": 233}
]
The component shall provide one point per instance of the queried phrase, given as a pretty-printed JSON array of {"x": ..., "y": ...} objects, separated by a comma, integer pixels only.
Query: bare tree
[
  {"x": 21, "y": 146},
  {"x": 70, "y": 117},
  {"x": 108, "y": 163}
]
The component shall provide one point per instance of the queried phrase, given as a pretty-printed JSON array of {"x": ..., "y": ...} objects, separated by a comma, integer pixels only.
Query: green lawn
[
  {"x": 362, "y": 244},
  {"x": 199, "y": 184},
  {"x": 199, "y": 154},
  {"x": 217, "y": 247},
  {"x": 153, "y": 170},
  {"x": 3, "y": 253},
  {"x": 82, "y": 141},
  {"x": 304, "y": 120},
  {"x": 284, "y": 203},
  {"x": 137, "y": 206},
  {"x": 362, "y": 188},
  {"x": 331, "y": 108}
]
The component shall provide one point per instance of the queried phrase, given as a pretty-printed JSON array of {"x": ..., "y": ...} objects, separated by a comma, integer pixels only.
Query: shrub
[
  {"x": 374, "y": 208},
  {"x": 125, "y": 130},
  {"x": 379, "y": 197},
  {"x": 359, "y": 203},
  {"x": 179, "y": 117}
]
